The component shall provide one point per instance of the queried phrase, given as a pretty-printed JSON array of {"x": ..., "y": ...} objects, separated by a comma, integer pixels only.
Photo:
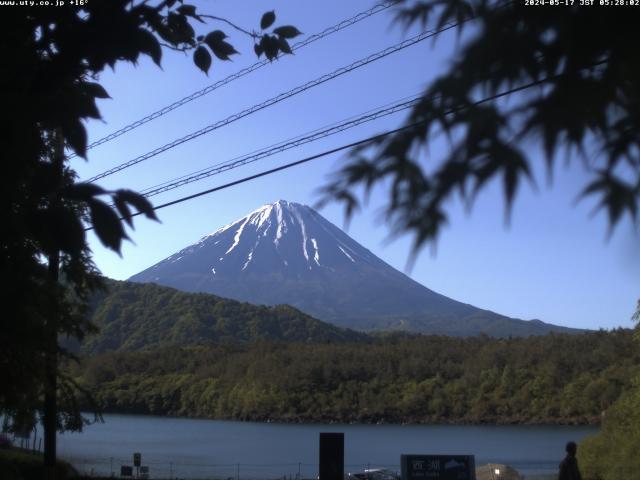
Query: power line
[
  {"x": 281, "y": 147},
  {"x": 241, "y": 73},
  {"x": 297, "y": 137},
  {"x": 278, "y": 98},
  {"x": 348, "y": 146}
]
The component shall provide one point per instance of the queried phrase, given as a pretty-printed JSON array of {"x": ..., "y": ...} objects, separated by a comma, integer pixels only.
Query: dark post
[
  {"x": 331, "y": 456},
  {"x": 51, "y": 347}
]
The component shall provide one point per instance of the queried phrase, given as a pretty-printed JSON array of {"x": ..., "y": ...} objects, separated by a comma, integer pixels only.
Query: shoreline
[{"x": 379, "y": 421}]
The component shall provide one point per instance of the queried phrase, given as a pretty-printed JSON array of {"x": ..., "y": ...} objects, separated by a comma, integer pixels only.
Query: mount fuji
[{"x": 287, "y": 253}]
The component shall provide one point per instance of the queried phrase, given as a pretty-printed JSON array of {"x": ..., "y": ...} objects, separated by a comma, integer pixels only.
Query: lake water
[{"x": 188, "y": 448}]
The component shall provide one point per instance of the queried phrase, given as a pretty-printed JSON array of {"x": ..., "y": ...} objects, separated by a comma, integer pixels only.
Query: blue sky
[{"x": 553, "y": 261}]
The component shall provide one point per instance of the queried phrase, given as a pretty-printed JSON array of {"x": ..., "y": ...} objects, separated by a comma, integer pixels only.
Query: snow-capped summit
[
  {"x": 288, "y": 253},
  {"x": 282, "y": 235}
]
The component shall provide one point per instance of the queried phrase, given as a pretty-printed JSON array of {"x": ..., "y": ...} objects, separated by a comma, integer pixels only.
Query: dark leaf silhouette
[
  {"x": 267, "y": 19},
  {"x": 283, "y": 45},
  {"x": 214, "y": 39},
  {"x": 270, "y": 46},
  {"x": 189, "y": 10},
  {"x": 81, "y": 191},
  {"x": 223, "y": 50},
  {"x": 107, "y": 225},
  {"x": 123, "y": 209},
  {"x": 202, "y": 59},
  {"x": 137, "y": 201},
  {"x": 95, "y": 90},
  {"x": 149, "y": 44},
  {"x": 287, "y": 31},
  {"x": 76, "y": 137}
]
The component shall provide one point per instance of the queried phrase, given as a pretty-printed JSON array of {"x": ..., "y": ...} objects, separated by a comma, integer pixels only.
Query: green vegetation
[
  {"x": 556, "y": 379},
  {"x": 52, "y": 60},
  {"x": 612, "y": 454},
  {"x": 132, "y": 316},
  {"x": 16, "y": 464}
]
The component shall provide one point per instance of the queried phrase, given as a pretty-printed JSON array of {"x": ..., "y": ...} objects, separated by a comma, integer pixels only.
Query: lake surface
[{"x": 189, "y": 448}]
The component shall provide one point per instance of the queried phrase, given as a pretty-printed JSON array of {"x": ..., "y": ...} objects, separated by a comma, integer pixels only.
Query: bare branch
[{"x": 253, "y": 35}]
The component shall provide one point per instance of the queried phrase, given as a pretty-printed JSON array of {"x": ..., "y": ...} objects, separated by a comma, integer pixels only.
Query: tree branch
[
  {"x": 230, "y": 23},
  {"x": 177, "y": 49}
]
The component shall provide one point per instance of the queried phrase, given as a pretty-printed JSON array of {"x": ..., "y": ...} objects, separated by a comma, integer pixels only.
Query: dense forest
[
  {"x": 612, "y": 454},
  {"x": 133, "y": 316},
  {"x": 555, "y": 379}
]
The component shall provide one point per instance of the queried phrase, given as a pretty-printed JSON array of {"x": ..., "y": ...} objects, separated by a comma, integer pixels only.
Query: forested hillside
[
  {"x": 550, "y": 379},
  {"x": 132, "y": 316}
]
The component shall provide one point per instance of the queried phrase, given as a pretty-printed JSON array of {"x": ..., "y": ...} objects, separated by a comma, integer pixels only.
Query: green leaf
[
  {"x": 107, "y": 225},
  {"x": 267, "y": 19},
  {"x": 202, "y": 59},
  {"x": 138, "y": 201},
  {"x": 287, "y": 31}
]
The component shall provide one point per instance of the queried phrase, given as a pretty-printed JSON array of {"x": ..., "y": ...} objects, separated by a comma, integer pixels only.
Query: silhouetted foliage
[
  {"x": 577, "y": 83},
  {"x": 552, "y": 379},
  {"x": 51, "y": 61}
]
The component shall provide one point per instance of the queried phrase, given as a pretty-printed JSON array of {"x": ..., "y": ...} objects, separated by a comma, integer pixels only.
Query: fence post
[
  {"x": 170, "y": 470},
  {"x": 299, "y": 465},
  {"x": 112, "y": 467},
  {"x": 238, "y": 473}
]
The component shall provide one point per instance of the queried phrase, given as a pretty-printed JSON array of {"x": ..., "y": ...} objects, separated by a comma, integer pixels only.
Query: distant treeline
[{"x": 555, "y": 379}]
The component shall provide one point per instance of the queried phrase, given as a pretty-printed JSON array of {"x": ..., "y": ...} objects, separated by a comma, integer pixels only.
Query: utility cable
[
  {"x": 241, "y": 73},
  {"x": 349, "y": 145},
  {"x": 278, "y": 98},
  {"x": 277, "y": 144},
  {"x": 280, "y": 147}
]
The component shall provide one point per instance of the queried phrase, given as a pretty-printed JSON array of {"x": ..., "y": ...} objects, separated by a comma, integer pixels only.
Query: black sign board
[
  {"x": 144, "y": 471},
  {"x": 438, "y": 467},
  {"x": 126, "y": 471},
  {"x": 137, "y": 459}
]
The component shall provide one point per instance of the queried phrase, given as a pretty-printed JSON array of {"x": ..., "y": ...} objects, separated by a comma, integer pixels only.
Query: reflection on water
[{"x": 188, "y": 448}]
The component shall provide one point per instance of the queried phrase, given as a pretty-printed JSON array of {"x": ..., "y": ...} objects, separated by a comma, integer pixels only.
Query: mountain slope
[
  {"x": 287, "y": 253},
  {"x": 132, "y": 316}
]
